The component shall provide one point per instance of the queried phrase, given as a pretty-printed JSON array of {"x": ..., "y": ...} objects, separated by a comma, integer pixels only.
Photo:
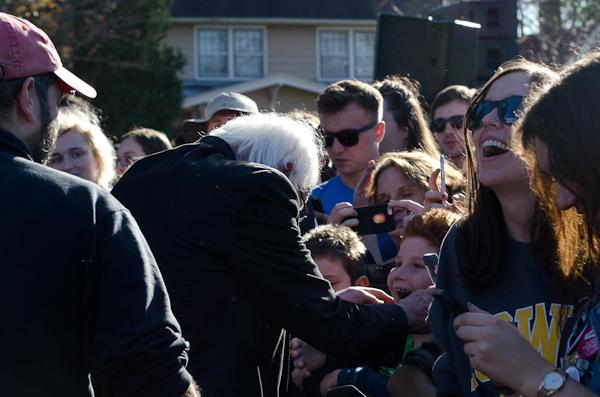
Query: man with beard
[{"x": 84, "y": 307}]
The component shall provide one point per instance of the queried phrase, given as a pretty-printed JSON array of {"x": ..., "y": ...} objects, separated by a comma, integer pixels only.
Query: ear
[
  {"x": 379, "y": 131},
  {"x": 362, "y": 281},
  {"x": 27, "y": 101}
]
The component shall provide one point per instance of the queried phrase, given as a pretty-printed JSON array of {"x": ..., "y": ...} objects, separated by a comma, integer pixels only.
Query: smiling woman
[
  {"x": 82, "y": 149},
  {"x": 502, "y": 256}
]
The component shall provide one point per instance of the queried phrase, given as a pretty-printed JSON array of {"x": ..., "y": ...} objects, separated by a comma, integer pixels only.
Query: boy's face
[
  {"x": 333, "y": 271},
  {"x": 410, "y": 272}
]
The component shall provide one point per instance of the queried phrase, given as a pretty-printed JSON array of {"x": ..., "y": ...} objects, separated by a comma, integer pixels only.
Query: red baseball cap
[{"x": 25, "y": 51}]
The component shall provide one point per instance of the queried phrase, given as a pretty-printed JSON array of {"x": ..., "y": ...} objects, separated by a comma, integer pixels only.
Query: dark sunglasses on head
[
  {"x": 347, "y": 137},
  {"x": 508, "y": 111},
  {"x": 439, "y": 124}
]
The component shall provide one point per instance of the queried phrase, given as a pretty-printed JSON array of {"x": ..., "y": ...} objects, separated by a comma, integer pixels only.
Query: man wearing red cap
[{"x": 83, "y": 303}]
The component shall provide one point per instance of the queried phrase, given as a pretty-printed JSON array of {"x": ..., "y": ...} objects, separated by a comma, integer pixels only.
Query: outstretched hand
[
  {"x": 365, "y": 295},
  {"x": 306, "y": 359},
  {"x": 416, "y": 306}
]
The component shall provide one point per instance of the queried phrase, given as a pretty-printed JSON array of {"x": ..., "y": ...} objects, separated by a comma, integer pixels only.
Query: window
[
  {"x": 230, "y": 53},
  {"x": 346, "y": 54}
]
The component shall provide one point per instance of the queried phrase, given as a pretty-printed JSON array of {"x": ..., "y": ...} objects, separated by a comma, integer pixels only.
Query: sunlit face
[
  {"x": 74, "y": 155},
  {"x": 410, "y": 272},
  {"x": 333, "y": 271},
  {"x": 498, "y": 167},
  {"x": 396, "y": 137},
  {"x": 128, "y": 152},
  {"x": 220, "y": 118},
  {"x": 451, "y": 140},
  {"x": 351, "y": 161},
  {"x": 393, "y": 184}
]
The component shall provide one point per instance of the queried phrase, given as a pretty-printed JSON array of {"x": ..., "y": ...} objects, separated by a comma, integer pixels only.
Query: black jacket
[
  {"x": 79, "y": 291},
  {"x": 225, "y": 235}
]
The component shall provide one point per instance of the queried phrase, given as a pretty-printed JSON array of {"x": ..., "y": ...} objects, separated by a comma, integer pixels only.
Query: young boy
[{"x": 339, "y": 254}]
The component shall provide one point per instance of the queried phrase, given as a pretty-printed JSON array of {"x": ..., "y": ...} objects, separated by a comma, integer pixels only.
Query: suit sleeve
[
  {"x": 284, "y": 279},
  {"x": 135, "y": 347}
]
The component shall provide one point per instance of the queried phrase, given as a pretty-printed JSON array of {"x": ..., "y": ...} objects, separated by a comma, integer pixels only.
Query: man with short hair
[
  {"x": 221, "y": 109},
  {"x": 221, "y": 218},
  {"x": 84, "y": 308},
  {"x": 351, "y": 115}
]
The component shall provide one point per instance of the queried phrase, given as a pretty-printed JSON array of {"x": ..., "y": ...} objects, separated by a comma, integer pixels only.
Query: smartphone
[
  {"x": 431, "y": 262},
  {"x": 449, "y": 302},
  {"x": 442, "y": 174},
  {"x": 316, "y": 204},
  {"x": 375, "y": 219}
]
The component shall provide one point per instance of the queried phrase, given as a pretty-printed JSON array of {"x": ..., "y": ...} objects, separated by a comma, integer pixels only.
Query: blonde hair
[
  {"x": 85, "y": 122},
  {"x": 418, "y": 167}
]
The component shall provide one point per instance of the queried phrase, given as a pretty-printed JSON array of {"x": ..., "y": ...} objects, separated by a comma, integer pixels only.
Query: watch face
[{"x": 553, "y": 381}]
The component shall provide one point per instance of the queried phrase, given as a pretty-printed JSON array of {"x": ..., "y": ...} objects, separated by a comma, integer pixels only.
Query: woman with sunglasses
[
  {"x": 501, "y": 256},
  {"x": 447, "y": 113},
  {"x": 560, "y": 143}
]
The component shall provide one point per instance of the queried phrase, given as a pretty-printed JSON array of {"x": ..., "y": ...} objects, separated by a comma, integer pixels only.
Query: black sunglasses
[
  {"x": 508, "y": 111},
  {"x": 439, "y": 124},
  {"x": 347, "y": 137}
]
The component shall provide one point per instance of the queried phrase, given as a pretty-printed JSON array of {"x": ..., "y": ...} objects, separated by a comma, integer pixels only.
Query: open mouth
[
  {"x": 402, "y": 292},
  {"x": 492, "y": 147}
]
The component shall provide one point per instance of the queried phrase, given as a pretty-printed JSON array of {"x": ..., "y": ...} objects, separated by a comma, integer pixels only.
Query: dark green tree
[{"x": 119, "y": 47}]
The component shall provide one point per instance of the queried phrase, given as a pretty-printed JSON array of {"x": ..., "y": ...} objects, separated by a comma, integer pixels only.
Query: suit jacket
[{"x": 226, "y": 238}]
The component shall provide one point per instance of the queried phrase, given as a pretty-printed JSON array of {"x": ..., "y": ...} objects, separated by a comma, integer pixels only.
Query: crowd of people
[{"x": 236, "y": 262}]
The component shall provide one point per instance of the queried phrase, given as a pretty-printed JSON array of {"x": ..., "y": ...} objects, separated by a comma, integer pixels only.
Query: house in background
[{"x": 280, "y": 53}]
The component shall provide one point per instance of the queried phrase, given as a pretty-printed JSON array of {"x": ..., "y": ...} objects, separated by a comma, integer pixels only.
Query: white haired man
[{"x": 221, "y": 217}]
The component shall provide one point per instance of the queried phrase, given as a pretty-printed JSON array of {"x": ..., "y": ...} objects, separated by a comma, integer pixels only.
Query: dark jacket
[
  {"x": 80, "y": 291},
  {"x": 225, "y": 235}
]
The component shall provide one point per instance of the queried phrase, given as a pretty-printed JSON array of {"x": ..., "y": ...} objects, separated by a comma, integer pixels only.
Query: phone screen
[{"x": 442, "y": 174}]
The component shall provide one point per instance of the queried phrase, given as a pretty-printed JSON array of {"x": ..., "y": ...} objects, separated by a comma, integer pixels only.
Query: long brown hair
[
  {"x": 564, "y": 115},
  {"x": 482, "y": 234},
  {"x": 401, "y": 97}
]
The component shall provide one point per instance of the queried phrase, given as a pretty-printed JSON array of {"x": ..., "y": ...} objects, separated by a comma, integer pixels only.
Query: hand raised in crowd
[
  {"x": 415, "y": 307},
  {"x": 365, "y": 295},
  {"x": 341, "y": 212},
  {"x": 306, "y": 359},
  {"x": 435, "y": 198},
  {"x": 360, "y": 191},
  {"x": 496, "y": 348}
]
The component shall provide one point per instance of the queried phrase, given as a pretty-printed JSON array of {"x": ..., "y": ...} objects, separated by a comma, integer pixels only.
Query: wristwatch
[{"x": 552, "y": 382}]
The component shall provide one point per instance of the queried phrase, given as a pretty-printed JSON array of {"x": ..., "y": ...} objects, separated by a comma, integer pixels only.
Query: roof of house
[
  {"x": 279, "y": 79},
  {"x": 293, "y": 9}
]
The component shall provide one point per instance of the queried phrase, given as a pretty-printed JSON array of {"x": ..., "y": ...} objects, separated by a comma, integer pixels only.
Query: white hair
[{"x": 277, "y": 141}]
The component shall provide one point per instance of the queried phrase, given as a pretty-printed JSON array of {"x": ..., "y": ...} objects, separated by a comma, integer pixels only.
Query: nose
[
  {"x": 336, "y": 146},
  {"x": 489, "y": 122},
  {"x": 565, "y": 198},
  {"x": 121, "y": 167}
]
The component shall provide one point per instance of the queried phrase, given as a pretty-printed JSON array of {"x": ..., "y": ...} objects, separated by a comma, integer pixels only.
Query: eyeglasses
[
  {"x": 347, "y": 137},
  {"x": 508, "y": 109},
  {"x": 439, "y": 124}
]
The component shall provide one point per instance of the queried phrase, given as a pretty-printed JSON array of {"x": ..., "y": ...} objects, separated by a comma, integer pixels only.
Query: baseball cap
[
  {"x": 224, "y": 101},
  {"x": 25, "y": 51}
]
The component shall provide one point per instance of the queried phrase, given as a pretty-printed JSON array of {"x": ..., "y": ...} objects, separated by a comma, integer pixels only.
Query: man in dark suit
[{"x": 224, "y": 231}]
